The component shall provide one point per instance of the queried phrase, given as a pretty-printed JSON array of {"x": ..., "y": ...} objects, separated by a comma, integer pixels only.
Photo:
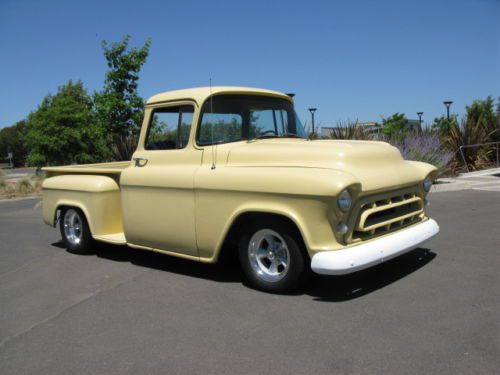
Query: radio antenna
[{"x": 214, "y": 147}]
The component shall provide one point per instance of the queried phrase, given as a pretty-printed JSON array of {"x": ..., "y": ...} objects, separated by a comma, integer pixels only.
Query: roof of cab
[{"x": 200, "y": 94}]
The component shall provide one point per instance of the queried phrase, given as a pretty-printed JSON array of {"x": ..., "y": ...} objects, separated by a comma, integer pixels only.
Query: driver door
[{"x": 158, "y": 191}]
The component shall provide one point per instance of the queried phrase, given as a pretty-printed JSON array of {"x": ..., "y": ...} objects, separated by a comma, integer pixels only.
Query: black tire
[
  {"x": 81, "y": 242},
  {"x": 254, "y": 267}
]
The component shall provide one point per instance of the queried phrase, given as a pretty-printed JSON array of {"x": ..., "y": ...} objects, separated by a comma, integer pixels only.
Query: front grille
[{"x": 378, "y": 216}]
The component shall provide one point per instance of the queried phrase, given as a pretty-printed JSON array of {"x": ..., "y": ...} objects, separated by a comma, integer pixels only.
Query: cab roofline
[{"x": 200, "y": 94}]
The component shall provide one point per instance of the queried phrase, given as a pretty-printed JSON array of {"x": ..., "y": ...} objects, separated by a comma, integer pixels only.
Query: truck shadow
[
  {"x": 348, "y": 287},
  {"x": 221, "y": 272},
  {"x": 321, "y": 288},
  {"x": 227, "y": 270}
]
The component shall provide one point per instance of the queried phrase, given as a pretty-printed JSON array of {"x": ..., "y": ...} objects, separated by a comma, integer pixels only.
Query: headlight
[
  {"x": 427, "y": 184},
  {"x": 344, "y": 200}
]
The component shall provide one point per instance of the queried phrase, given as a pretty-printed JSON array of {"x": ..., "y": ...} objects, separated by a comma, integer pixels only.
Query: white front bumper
[{"x": 368, "y": 254}]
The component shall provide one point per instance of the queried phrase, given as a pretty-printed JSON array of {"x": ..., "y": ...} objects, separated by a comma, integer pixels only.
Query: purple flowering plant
[{"x": 426, "y": 147}]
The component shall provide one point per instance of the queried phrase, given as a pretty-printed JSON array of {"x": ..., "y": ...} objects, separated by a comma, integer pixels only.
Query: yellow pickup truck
[{"x": 231, "y": 169}]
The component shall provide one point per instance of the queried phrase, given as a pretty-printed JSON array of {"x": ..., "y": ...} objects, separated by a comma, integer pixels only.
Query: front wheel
[
  {"x": 272, "y": 257},
  {"x": 75, "y": 231}
]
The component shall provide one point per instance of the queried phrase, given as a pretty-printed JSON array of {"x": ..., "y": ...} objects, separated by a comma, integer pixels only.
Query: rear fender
[{"x": 98, "y": 197}]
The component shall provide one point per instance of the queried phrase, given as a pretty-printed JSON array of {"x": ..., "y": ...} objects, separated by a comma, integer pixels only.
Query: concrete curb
[
  {"x": 485, "y": 172},
  {"x": 31, "y": 197}
]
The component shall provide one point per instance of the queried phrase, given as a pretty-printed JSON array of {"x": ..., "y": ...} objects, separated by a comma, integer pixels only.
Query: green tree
[
  {"x": 64, "y": 130},
  {"x": 395, "y": 124},
  {"x": 482, "y": 113},
  {"x": 13, "y": 139},
  {"x": 119, "y": 107},
  {"x": 443, "y": 125}
]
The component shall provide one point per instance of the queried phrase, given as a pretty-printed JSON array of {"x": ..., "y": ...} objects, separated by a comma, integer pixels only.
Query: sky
[{"x": 350, "y": 59}]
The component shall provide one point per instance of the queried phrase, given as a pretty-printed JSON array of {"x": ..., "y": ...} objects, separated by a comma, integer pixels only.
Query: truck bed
[{"x": 114, "y": 168}]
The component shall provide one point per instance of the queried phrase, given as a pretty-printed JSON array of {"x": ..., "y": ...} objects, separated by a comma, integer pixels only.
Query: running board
[{"x": 114, "y": 238}]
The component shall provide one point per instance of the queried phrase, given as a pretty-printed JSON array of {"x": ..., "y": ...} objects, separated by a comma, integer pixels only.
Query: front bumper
[{"x": 368, "y": 254}]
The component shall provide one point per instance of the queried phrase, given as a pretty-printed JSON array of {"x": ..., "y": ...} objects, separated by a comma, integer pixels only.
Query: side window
[
  {"x": 220, "y": 128},
  {"x": 169, "y": 128}
]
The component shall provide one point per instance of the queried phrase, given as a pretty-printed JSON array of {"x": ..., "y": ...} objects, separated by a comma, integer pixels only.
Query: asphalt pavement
[{"x": 122, "y": 311}]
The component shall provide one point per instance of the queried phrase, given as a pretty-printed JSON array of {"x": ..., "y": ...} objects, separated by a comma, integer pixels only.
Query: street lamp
[
  {"x": 447, "y": 104},
  {"x": 419, "y": 114},
  {"x": 312, "y": 110}
]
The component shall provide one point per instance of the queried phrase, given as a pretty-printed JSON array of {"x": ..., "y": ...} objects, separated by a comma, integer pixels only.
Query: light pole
[
  {"x": 447, "y": 104},
  {"x": 312, "y": 110},
  {"x": 419, "y": 114}
]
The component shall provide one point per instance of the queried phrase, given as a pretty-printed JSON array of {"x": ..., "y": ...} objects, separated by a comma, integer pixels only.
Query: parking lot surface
[{"x": 433, "y": 311}]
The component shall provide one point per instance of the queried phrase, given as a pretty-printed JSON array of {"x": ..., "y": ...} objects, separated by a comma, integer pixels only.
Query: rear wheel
[
  {"x": 75, "y": 231},
  {"x": 272, "y": 257}
]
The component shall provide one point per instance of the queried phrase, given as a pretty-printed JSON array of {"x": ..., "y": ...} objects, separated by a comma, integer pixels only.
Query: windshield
[{"x": 231, "y": 118}]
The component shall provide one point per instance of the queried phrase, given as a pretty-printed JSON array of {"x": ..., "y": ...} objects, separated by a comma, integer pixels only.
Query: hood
[{"x": 376, "y": 165}]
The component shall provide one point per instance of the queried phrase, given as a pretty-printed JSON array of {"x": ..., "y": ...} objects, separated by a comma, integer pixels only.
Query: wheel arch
[
  {"x": 72, "y": 204},
  {"x": 236, "y": 224}
]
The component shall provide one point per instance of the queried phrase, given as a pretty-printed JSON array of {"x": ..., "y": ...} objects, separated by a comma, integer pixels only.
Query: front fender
[{"x": 307, "y": 196}]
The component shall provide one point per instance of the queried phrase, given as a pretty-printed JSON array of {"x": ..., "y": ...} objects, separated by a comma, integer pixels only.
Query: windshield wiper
[
  {"x": 266, "y": 136},
  {"x": 263, "y": 136},
  {"x": 293, "y": 135}
]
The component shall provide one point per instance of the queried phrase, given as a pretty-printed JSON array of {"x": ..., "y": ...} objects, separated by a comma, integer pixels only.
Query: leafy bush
[
  {"x": 37, "y": 180},
  {"x": 349, "y": 130},
  {"x": 396, "y": 124},
  {"x": 479, "y": 126},
  {"x": 24, "y": 186},
  {"x": 443, "y": 125},
  {"x": 7, "y": 189}
]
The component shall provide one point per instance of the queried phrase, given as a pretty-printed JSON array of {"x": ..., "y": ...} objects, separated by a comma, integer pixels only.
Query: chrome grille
[{"x": 379, "y": 216}]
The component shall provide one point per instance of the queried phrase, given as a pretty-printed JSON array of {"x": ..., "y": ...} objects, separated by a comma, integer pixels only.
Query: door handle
[{"x": 140, "y": 161}]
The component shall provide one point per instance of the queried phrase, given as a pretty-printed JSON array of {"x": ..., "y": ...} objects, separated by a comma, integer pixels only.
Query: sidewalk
[{"x": 487, "y": 180}]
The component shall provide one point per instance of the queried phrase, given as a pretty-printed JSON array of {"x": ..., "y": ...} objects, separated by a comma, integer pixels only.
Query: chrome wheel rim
[
  {"x": 73, "y": 226},
  {"x": 269, "y": 255}
]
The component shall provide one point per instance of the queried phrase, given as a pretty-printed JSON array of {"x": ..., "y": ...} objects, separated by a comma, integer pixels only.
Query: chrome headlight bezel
[
  {"x": 427, "y": 184},
  {"x": 344, "y": 201}
]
